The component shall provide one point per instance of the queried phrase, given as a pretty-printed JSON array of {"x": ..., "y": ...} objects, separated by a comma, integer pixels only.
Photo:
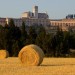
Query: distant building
[
  {"x": 35, "y": 11},
  {"x": 70, "y": 16},
  {"x": 35, "y": 14},
  {"x": 17, "y": 21},
  {"x": 33, "y": 21},
  {"x": 2, "y": 21},
  {"x": 31, "y": 18},
  {"x": 64, "y": 24},
  {"x": 36, "y": 18}
]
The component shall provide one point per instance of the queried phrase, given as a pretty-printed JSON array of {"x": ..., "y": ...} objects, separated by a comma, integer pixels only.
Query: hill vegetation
[{"x": 13, "y": 38}]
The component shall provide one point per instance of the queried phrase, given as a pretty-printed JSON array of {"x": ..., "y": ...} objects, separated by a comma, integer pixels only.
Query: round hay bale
[
  {"x": 31, "y": 55},
  {"x": 4, "y": 54}
]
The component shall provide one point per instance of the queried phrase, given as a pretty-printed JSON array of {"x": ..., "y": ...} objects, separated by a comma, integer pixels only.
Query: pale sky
[{"x": 56, "y": 9}]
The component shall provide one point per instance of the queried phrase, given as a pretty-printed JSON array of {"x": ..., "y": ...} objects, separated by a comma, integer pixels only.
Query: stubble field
[{"x": 49, "y": 66}]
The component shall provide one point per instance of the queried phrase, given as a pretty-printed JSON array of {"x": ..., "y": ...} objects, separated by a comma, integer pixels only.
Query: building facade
[
  {"x": 64, "y": 24},
  {"x": 2, "y": 21},
  {"x": 17, "y": 21},
  {"x": 35, "y": 14},
  {"x": 36, "y": 18}
]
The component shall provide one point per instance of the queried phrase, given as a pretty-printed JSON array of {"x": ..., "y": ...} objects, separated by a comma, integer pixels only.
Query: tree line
[{"x": 13, "y": 38}]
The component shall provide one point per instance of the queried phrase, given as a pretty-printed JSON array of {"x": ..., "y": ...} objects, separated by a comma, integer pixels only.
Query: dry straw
[
  {"x": 31, "y": 55},
  {"x": 4, "y": 54}
]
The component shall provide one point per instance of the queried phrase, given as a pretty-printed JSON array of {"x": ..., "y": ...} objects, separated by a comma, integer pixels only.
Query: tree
[
  {"x": 23, "y": 34},
  {"x": 15, "y": 48},
  {"x": 13, "y": 35},
  {"x": 32, "y": 35},
  {"x": 72, "y": 40},
  {"x": 56, "y": 43},
  {"x": 47, "y": 45},
  {"x": 53, "y": 45},
  {"x": 6, "y": 25},
  {"x": 66, "y": 46},
  {"x": 11, "y": 23},
  {"x": 23, "y": 31},
  {"x": 1, "y": 27},
  {"x": 41, "y": 37},
  {"x": 4, "y": 38}
]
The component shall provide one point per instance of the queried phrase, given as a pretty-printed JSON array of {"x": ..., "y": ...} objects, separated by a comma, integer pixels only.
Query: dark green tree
[
  {"x": 11, "y": 23},
  {"x": 56, "y": 43},
  {"x": 47, "y": 45},
  {"x": 32, "y": 35},
  {"x": 66, "y": 46},
  {"x": 41, "y": 37},
  {"x": 6, "y": 25},
  {"x": 13, "y": 35},
  {"x": 72, "y": 40},
  {"x": 4, "y": 38},
  {"x": 23, "y": 34}
]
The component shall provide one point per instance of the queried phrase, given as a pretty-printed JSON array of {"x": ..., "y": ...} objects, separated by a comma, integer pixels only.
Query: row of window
[
  {"x": 66, "y": 24},
  {"x": 18, "y": 20},
  {"x": 45, "y": 23}
]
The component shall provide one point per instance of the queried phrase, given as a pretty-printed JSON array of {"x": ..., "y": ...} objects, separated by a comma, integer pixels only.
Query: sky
[{"x": 56, "y": 9}]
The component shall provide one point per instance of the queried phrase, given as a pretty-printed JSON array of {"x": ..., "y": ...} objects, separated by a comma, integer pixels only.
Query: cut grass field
[{"x": 49, "y": 66}]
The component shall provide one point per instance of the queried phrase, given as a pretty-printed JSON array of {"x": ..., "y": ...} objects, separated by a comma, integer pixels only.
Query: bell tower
[{"x": 35, "y": 11}]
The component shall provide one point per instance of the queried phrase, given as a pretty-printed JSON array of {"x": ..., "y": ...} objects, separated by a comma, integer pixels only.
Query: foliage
[
  {"x": 11, "y": 23},
  {"x": 13, "y": 38},
  {"x": 23, "y": 34},
  {"x": 32, "y": 35}
]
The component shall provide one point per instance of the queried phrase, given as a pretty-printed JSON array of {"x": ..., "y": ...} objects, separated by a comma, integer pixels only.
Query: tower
[{"x": 35, "y": 11}]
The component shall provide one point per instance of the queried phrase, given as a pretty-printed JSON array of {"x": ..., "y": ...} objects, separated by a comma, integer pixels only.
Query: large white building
[
  {"x": 35, "y": 14},
  {"x": 31, "y": 18},
  {"x": 36, "y": 18}
]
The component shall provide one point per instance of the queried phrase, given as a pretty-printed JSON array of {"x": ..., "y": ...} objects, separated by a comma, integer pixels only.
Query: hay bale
[
  {"x": 4, "y": 54},
  {"x": 31, "y": 55}
]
